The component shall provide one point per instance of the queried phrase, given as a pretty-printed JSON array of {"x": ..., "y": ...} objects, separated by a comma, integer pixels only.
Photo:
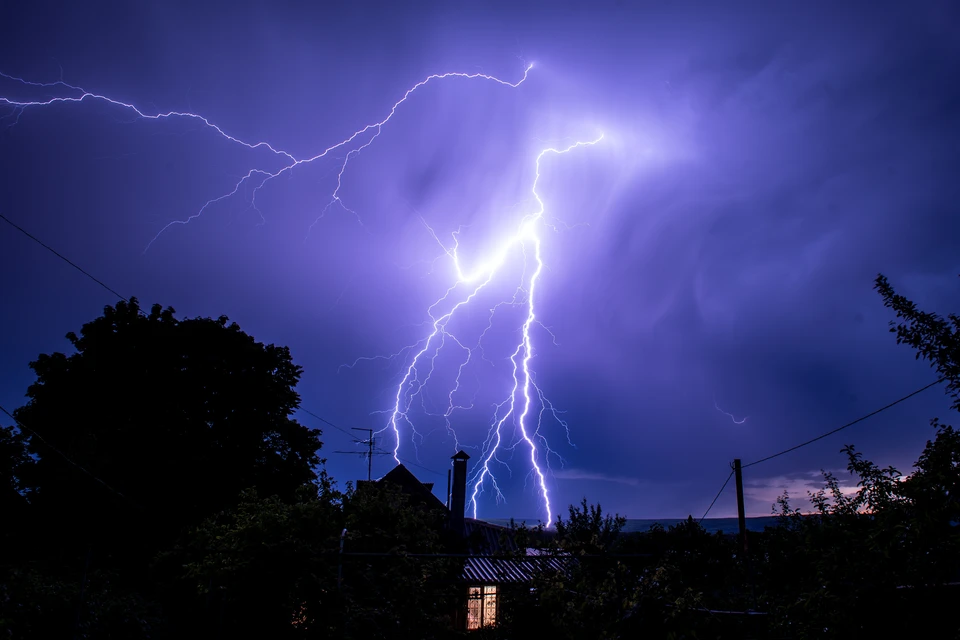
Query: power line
[
  {"x": 117, "y": 294},
  {"x": 369, "y": 453},
  {"x": 358, "y": 441},
  {"x": 355, "y": 439},
  {"x": 422, "y": 467},
  {"x": 716, "y": 497},
  {"x": 328, "y": 423},
  {"x": 66, "y": 457},
  {"x": 61, "y": 256},
  {"x": 412, "y": 463},
  {"x": 822, "y": 436},
  {"x": 849, "y": 424}
]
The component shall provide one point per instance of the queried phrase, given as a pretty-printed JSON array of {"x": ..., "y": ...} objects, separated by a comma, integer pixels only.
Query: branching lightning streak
[
  {"x": 518, "y": 403},
  {"x": 523, "y": 384},
  {"x": 289, "y": 161}
]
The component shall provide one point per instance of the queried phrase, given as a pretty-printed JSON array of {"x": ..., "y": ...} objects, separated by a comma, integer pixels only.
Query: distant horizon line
[{"x": 733, "y": 517}]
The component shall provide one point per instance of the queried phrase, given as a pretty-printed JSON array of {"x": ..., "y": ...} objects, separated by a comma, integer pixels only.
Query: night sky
[{"x": 760, "y": 165}]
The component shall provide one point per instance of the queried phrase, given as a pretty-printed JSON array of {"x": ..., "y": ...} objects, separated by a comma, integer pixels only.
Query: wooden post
[
  {"x": 343, "y": 535},
  {"x": 740, "y": 514},
  {"x": 83, "y": 585}
]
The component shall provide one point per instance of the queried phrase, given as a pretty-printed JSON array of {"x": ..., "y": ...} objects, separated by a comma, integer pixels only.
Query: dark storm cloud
[
  {"x": 762, "y": 165},
  {"x": 819, "y": 158}
]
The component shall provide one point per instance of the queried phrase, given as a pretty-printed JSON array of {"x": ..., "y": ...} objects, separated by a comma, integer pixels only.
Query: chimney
[{"x": 458, "y": 497}]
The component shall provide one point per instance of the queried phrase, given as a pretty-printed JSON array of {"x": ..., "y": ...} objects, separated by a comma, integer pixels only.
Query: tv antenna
[{"x": 369, "y": 453}]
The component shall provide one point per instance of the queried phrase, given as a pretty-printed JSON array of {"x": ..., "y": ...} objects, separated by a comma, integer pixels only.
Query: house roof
[
  {"x": 483, "y": 539},
  {"x": 486, "y": 538},
  {"x": 419, "y": 492},
  {"x": 511, "y": 570}
]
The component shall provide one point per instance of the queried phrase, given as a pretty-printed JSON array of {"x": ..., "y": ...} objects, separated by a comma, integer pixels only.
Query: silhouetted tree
[
  {"x": 164, "y": 421},
  {"x": 934, "y": 338},
  {"x": 869, "y": 563},
  {"x": 874, "y": 561},
  {"x": 36, "y": 604},
  {"x": 14, "y": 462},
  {"x": 396, "y": 594},
  {"x": 654, "y": 584},
  {"x": 588, "y": 531},
  {"x": 584, "y": 594},
  {"x": 271, "y": 568},
  {"x": 266, "y": 567}
]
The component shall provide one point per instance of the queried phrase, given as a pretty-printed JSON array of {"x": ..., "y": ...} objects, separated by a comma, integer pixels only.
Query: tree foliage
[
  {"x": 150, "y": 426},
  {"x": 15, "y": 461},
  {"x": 587, "y": 531},
  {"x": 36, "y": 604},
  {"x": 395, "y": 593},
  {"x": 165, "y": 420},
  {"x": 871, "y": 560},
  {"x": 283, "y": 560},
  {"x": 657, "y": 583},
  {"x": 934, "y": 338},
  {"x": 129, "y": 522},
  {"x": 265, "y": 567},
  {"x": 592, "y": 590},
  {"x": 875, "y": 560}
]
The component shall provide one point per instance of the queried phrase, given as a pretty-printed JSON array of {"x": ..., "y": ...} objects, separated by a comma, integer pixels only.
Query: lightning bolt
[
  {"x": 730, "y": 415},
  {"x": 364, "y": 137},
  {"x": 519, "y": 401},
  {"x": 518, "y": 404}
]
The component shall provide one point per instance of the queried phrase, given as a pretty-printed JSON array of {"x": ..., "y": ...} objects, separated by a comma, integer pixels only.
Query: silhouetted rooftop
[{"x": 420, "y": 493}]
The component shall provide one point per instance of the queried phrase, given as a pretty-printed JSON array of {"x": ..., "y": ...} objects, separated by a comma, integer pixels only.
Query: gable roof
[{"x": 420, "y": 493}]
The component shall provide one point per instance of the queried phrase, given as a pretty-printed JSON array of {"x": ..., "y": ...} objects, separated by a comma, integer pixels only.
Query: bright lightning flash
[
  {"x": 519, "y": 405},
  {"x": 519, "y": 400}
]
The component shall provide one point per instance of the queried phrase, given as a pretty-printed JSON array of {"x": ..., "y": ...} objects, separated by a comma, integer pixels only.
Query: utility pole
[{"x": 740, "y": 514}]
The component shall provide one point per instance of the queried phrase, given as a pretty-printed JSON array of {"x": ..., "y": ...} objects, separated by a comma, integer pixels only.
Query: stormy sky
[{"x": 761, "y": 163}]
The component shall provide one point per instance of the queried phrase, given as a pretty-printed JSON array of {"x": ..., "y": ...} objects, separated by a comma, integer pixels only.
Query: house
[{"x": 493, "y": 565}]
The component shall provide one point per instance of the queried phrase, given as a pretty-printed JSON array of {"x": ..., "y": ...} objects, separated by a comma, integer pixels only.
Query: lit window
[{"x": 481, "y": 607}]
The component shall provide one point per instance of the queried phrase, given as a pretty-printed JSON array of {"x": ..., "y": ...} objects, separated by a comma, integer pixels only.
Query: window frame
[{"x": 482, "y": 596}]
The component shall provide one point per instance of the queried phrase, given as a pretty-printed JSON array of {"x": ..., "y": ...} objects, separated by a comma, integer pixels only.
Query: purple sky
[{"x": 759, "y": 168}]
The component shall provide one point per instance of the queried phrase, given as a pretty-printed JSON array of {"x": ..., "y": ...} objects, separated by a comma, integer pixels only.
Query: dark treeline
[{"x": 157, "y": 487}]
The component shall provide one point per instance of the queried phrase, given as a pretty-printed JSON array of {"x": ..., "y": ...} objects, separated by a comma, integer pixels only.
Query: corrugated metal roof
[
  {"x": 511, "y": 570},
  {"x": 486, "y": 538}
]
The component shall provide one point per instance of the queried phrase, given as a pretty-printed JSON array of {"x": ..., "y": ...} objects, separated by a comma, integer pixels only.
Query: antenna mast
[{"x": 369, "y": 453}]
